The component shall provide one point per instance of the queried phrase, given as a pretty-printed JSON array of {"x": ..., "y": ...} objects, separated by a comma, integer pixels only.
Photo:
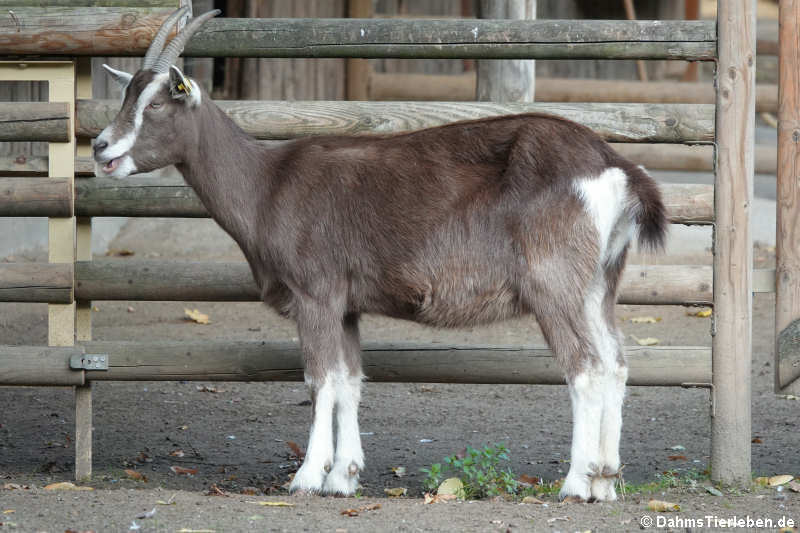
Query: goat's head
[{"x": 156, "y": 114}]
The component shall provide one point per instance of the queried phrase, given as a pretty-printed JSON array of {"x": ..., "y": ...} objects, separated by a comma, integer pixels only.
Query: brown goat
[{"x": 461, "y": 224}]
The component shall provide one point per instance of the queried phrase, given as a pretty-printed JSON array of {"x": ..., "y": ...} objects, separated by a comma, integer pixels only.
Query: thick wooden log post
[
  {"x": 507, "y": 81},
  {"x": 733, "y": 246},
  {"x": 358, "y": 70},
  {"x": 787, "y": 299}
]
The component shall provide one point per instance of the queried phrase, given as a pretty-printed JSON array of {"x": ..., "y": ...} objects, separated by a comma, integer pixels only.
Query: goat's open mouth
[{"x": 111, "y": 165}]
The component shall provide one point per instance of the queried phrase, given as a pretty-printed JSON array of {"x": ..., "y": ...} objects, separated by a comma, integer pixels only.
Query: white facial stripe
[{"x": 126, "y": 142}]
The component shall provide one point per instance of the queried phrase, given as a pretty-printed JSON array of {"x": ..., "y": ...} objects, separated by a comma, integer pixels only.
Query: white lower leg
[
  {"x": 319, "y": 455},
  {"x": 603, "y": 485},
  {"x": 343, "y": 478},
  {"x": 586, "y": 392}
]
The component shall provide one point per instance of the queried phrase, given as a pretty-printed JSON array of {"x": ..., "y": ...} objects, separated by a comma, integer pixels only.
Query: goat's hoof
[
  {"x": 343, "y": 480},
  {"x": 576, "y": 488},
  {"x": 603, "y": 489},
  {"x": 307, "y": 481}
]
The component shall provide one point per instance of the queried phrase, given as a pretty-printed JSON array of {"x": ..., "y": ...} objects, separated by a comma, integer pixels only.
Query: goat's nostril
[{"x": 100, "y": 145}]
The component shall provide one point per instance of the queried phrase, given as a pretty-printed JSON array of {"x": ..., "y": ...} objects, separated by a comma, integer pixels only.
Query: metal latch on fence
[{"x": 97, "y": 361}]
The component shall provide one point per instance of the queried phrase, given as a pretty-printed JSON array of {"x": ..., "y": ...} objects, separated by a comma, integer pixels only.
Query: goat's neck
[{"x": 229, "y": 172}]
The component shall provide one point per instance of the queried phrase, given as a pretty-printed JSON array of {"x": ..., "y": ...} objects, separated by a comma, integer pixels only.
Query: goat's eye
[{"x": 154, "y": 105}]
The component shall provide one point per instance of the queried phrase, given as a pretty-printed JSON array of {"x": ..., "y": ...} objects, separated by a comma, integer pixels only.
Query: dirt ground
[{"x": 235, "y": 434}]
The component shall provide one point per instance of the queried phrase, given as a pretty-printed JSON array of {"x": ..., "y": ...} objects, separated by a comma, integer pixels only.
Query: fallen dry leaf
[
  {"x": 177, "y": 453},
  {"x": 9, "y": 511},
  {"x": 193, "y": 315},
  {"x": 273, "y": 504},
  {"x": 647, "y": 341},
  {"x": 396, "y": 492},
  {"x": 399, "y": 471},
  {"x": 794, "y": 486},
  {"x": 763, "y": 481},
  {"x": 14, "y": 486},
  {"x": 756, "y": 440},
  {"x": 214, "y": 490},
  {"x": 452, "y": 485},
  {"x": 119, "y": 253},
  {"x": 532, "y": 499},
  {"x": 250, "y": 491},
  {"x": 296, "y": 450},
  {"x": 529, "y": 480},
  {"x": 133, "y": 474},
  {"x": 356, "y": 512},
  {"x": 644, "y": 320},
  {"x": 702, "y": 313},
  {"x": 783, "y": 479},
  {"x": 205, "y": 388},
  {"x": 677, "y": 458},
  {"x": 65, "y": 485},
  {"x": 181, "y": 471},
  {"x": 662, "y": 506},
  {"x": 438, "y": 498}
]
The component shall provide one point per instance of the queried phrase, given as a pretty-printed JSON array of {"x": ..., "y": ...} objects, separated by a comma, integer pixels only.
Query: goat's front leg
[{"x": 320, "y": 331}]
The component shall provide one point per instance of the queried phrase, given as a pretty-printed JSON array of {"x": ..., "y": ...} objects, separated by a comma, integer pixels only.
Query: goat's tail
[{"x": 649, "y": 212}]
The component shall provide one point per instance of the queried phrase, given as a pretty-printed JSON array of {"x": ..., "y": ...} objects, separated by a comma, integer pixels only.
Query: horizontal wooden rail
[
  {"x": 36, "y": 282},
  {"x": 81, "y": 30},
  {"x": 39, "y": 365},
  {"x": 160, "y": 197},
  {"x": 282, "y": 361},
  {"x": 690, "y": 158},
  {"x": 651, "y": 123},
  {"x": 34, "y": 121},
  {"x": 461, "y": 87},
  {"x": 456, "y": 39},
  {"x": 125, "y": 31},
  {"x": 35, "y": 197},
  {"x": 201, "y": 281}
]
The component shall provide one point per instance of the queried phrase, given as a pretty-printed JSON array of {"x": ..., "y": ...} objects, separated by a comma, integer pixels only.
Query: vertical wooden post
[
  {"x": 357, "y": 77},
  {"x": 787, "y": 272},
  {"x": 733, "y": 247},
  {"x": 83, "y": 318},
  {"x": 507, "y": 80}
]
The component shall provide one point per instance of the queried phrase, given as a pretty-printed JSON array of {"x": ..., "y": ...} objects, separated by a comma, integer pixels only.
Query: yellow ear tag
[{"x": 185, "y": 88}]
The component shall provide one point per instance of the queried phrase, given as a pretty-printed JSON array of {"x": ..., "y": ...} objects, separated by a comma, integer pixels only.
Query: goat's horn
[
  {"x": 158, "y": 41},
  {"x": 175, "y": 46}
]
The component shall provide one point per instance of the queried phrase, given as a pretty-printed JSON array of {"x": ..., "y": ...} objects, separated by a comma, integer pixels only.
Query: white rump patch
[{"x": 606, "y": 198}]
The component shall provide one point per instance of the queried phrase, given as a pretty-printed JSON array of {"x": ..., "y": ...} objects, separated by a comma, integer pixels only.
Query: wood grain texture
[
  {"x": 34, "y": 121},
  {"x": 160, "y": 197},
  {"x": 36, "y": 282},
  {"x": 274, "y": 361},
  {"x": 39, "y": 365},
  {"x": 454, "y": 39},
  {"x": 672, "y": 123},
  {"x": 787, "y": 299},
  {"x": 201, "y": 281},
  {"x": 461, "y": 87},
  {"x": 506, "y": 80},
  {"x": 80, "y": 31},
  {"x": 733, "y": 244},
  {"x": 35, "y": 197}
]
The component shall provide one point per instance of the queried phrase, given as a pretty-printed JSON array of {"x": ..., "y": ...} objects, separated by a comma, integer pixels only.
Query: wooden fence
[{"x": 72, "y": 280}]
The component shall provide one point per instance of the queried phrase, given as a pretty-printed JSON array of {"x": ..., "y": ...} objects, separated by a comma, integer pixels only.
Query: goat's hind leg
[
  {"x": 349, "y": 460},
  {"x": 562, "y": 322}
]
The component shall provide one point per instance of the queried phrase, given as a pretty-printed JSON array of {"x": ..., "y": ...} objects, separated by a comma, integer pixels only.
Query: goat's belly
[{"x": 454, "y": 300}]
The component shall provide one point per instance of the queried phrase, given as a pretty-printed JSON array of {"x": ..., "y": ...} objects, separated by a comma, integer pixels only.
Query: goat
[{"x": 466, "y": 223}]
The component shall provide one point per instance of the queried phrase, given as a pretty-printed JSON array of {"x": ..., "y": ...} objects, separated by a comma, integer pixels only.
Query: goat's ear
[
  {"x": 122, "y": 78},
  {"x": 182, "y": 88}
]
